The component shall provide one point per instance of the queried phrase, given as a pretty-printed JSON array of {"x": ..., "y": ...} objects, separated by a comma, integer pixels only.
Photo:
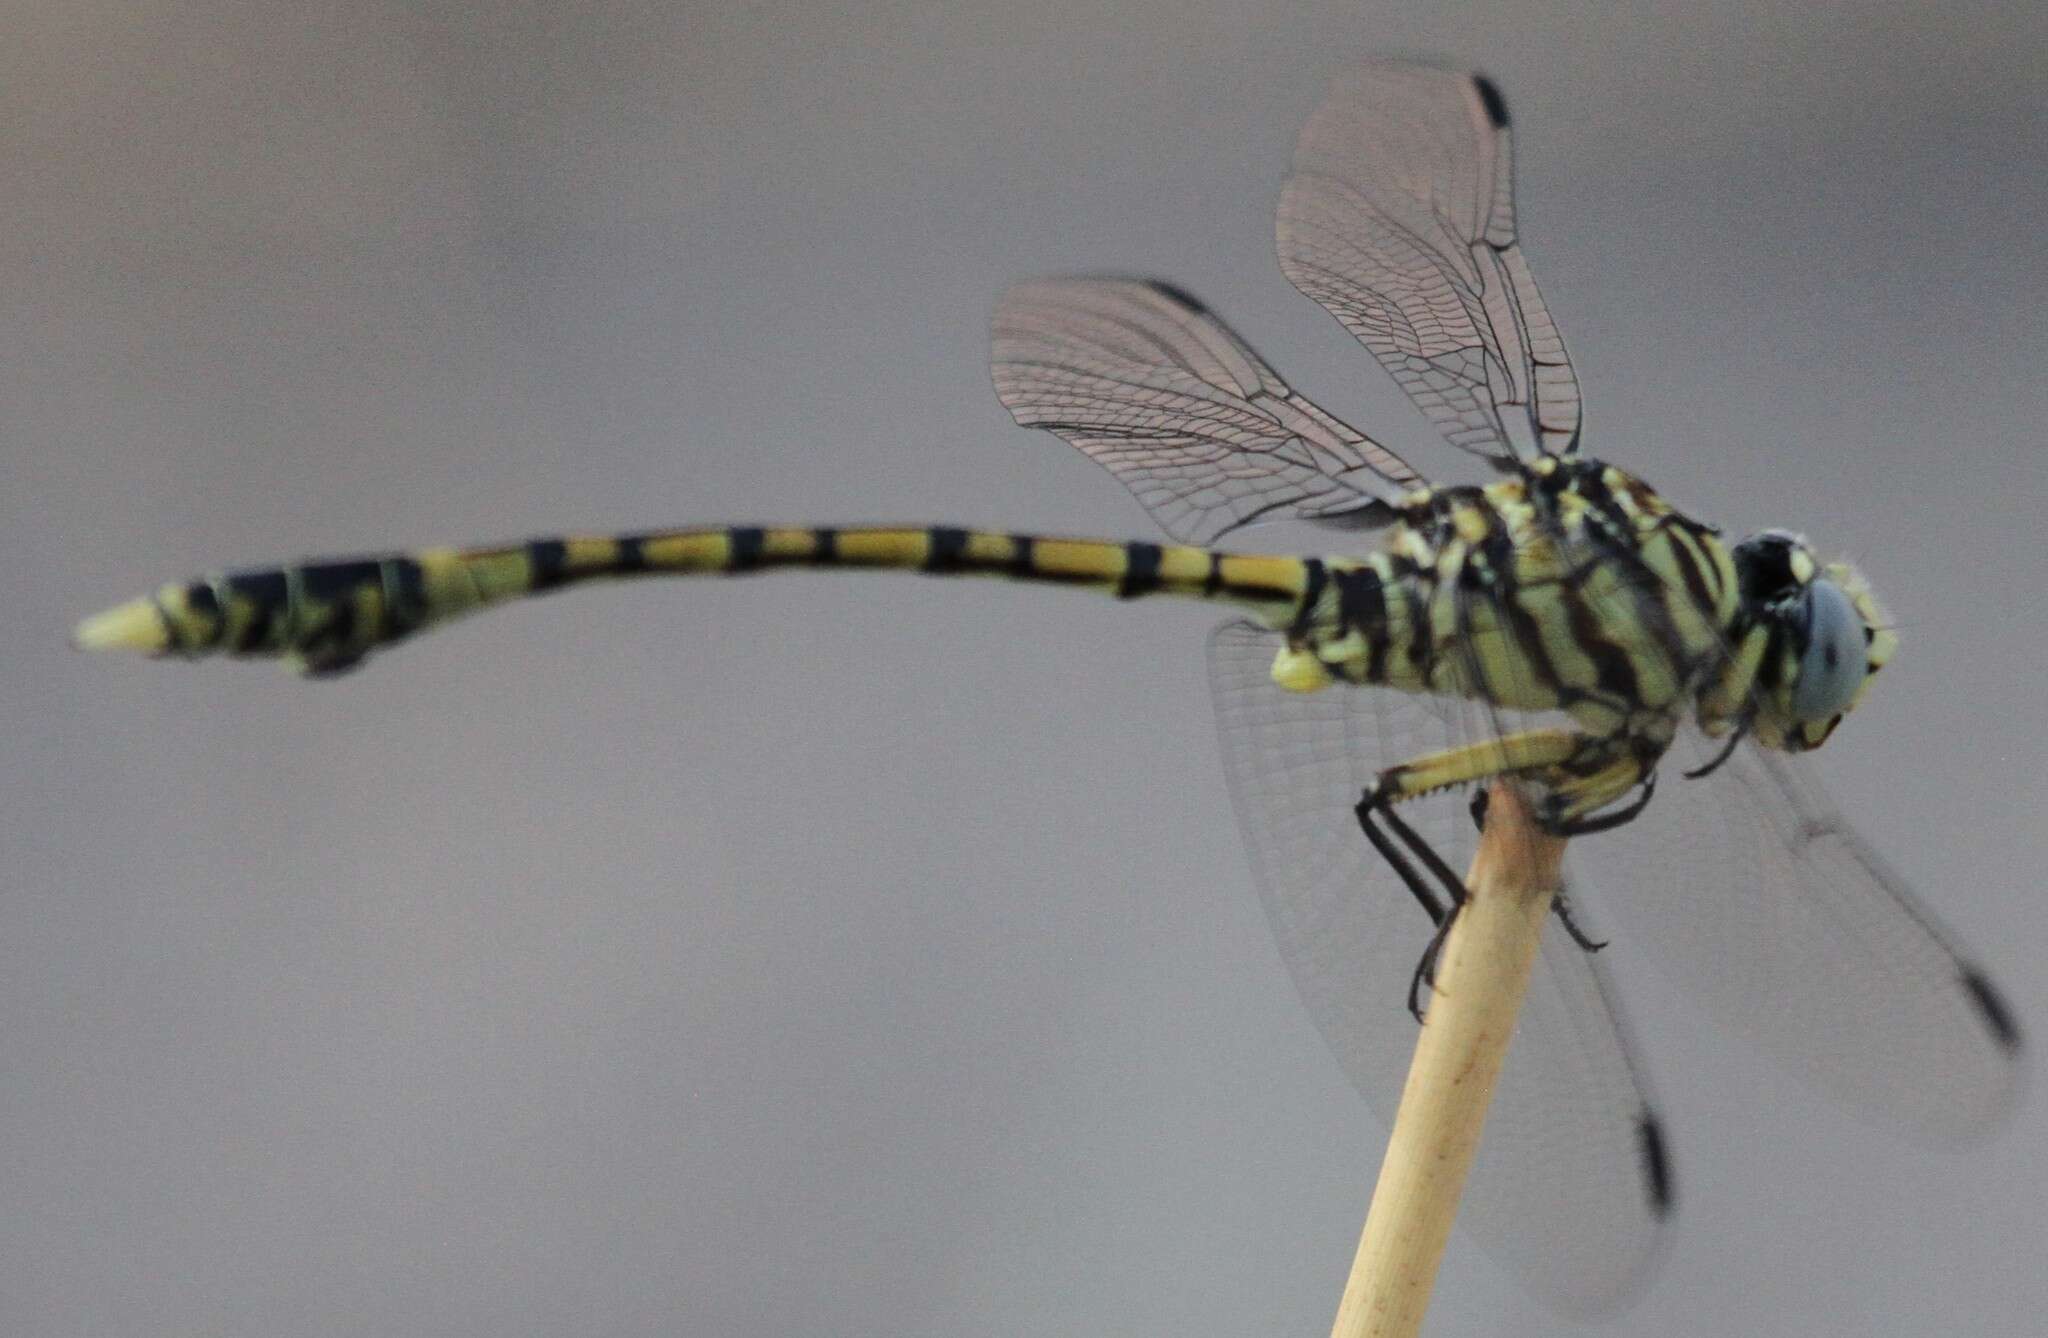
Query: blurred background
[{"x": 878, "y": 957}]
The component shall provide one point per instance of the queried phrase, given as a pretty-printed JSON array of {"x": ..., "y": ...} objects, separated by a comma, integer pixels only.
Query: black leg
[
  {"x": 1606, "y": 822},
  {"x": 1442, "y": 872},
  {"x": 1480, "y": 800},
  {"x": 1425, "y": 965},
  {"x": 1727, "y": 752},
  {"x": 1571, "y": 926},
  {"x": 1420, "y": 890},
  {"x": 1373, "y": 810}
]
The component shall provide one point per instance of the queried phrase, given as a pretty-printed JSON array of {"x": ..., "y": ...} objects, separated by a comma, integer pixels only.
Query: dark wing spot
[
  {"x": 1656, "y": 1165},
  {"x": 1489, "y": 97},
  {"x": 1173, "y": 292},
  {"x": 1997, "y": 1013}
]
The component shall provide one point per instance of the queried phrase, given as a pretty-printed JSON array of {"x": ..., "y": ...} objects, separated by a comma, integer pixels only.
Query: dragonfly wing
[
  {"x": 1565, "y": 1191},
  {"x": 1399, "y": 218},
  {"x": 1787, "y": 927},
  {"x": 1157, "y": 390}
]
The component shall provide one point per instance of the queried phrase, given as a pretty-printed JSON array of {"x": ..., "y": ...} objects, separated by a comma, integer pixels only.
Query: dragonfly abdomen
[{"x": 326, "y": 616}]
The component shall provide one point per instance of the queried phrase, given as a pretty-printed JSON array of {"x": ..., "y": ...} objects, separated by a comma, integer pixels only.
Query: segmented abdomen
[{"x": 326, "y": 616}]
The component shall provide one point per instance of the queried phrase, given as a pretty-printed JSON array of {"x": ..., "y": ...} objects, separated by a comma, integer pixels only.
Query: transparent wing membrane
[
  {"x": 1562, "y": 1192},
  {"x": 1162, "y": 394},
  {"x": 1399, "y": 218},
  {"x": 1778, "y": 918},
  {"x": 1783, "y": 923}
]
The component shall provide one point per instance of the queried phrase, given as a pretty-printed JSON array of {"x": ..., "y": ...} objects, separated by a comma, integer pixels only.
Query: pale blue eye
[{"x": 1835, "y": 662}]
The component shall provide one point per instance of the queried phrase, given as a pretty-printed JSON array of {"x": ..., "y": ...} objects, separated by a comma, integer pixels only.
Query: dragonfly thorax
[
  {"x": 1572, "y": 585},
  {"x": 1575, "y": 586}
]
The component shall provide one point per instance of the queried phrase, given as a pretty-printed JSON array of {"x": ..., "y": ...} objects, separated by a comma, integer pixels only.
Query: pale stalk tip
[{"x": 136, "y": 625}]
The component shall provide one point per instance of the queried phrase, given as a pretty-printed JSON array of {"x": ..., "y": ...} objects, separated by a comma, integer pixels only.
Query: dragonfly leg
[
  {"x": 1559, "y": 905},
  {"x": 1374, "y": 802},
  {"x": 1580, "y": 773},
  {"x": 1547, "y": 752},
  {"x": 1579, "y": 936},
  {"x": 1425, "y": 966},
  {"x": 1727, "y": 751},
  {"x": 1373, "y": 810},
  {"x": 1607, "y": 822}
]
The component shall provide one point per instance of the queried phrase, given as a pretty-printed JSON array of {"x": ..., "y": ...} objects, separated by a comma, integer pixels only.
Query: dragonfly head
[{"x": 1824, "y": 637}]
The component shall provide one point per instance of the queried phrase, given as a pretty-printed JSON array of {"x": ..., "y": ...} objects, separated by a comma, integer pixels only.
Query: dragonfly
[{"x": 1561, "y": 627}]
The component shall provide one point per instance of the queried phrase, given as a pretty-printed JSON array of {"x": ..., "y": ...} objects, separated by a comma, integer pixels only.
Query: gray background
[{"x": 877, "y": 957}]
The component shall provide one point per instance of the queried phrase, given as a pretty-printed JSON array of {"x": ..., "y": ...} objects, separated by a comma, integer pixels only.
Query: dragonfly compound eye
[{"x": 1833, "y": 664}]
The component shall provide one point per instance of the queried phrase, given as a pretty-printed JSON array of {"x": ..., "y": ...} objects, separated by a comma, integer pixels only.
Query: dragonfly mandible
[{"x": 1563, "y": 626}]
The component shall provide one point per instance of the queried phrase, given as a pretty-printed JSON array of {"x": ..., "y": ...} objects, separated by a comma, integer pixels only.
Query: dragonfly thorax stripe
[{"x": 1317, "y": 575}]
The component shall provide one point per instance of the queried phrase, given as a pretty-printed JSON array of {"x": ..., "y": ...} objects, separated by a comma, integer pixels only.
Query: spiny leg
[
  {"x": 1579, "y": 936},
  {"x": 1582, "y": 774},
  {"x": 1547, "y": 751},
  {"x": 1432, "y": 772},
  {"x": 1480, "y": 800},
  {"x": 1372, "y": 803},
  {"x": 1607, "y": 822},
  {"x": 1391, "y": 853},
  {"x": 1425, "y": 967},
  {"x": 1600, "y": 771}
]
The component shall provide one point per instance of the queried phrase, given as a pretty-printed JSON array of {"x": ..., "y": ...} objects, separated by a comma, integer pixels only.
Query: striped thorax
[
  {"x": 1572, "y": 586},
  {"x": 1575, "y": 586}
]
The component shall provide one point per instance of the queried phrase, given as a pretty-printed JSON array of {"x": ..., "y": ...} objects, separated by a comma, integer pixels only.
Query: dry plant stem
[{"x": 1480, "y": 980}]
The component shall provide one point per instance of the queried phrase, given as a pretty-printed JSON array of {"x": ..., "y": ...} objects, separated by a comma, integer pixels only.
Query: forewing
[
  {"x": 1162, "y": 394},
  {"x": 1563, "y": 1192},
  {"x": 1399, "y": 218},
  {"x": 1788, "y": 928}
]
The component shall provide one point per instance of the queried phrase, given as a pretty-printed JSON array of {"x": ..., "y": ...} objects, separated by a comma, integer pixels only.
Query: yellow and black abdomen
[{"x": 325, "y": 616}]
